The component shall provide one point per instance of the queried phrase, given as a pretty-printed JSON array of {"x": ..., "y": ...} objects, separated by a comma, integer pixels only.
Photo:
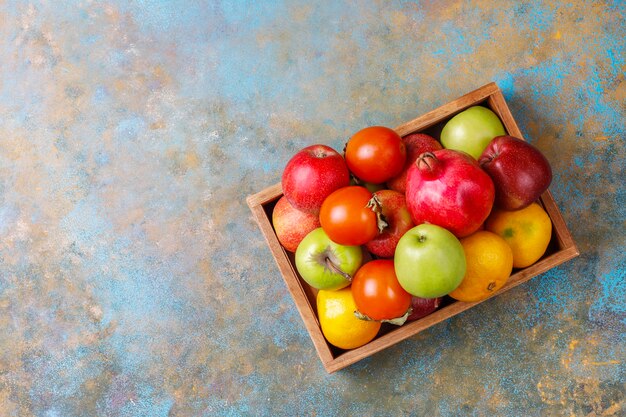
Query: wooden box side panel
[
  {"x": 498, "y": 105},
  {"x": 294, "y": 286},
  {"x": 558, "y": 223},
  {"x": 441, "y": 113}
]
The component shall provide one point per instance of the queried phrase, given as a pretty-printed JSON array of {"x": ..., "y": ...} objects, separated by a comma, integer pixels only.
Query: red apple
[
  {"x": 311, "y": 175},
  {"x": 448, "y": 188},
  {"x": 292, "y": 225},
  {"x": 422, "y": 307},
  {"x": 520, "y": 172},
  {"x": 415, "y": 144},
  {"x": 398, "y": 219}
]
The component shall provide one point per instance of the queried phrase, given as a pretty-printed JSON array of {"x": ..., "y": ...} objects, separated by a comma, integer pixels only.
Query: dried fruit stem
[
  {"x": 398, "y": 321},
  {"x": 375, "y": 205}
]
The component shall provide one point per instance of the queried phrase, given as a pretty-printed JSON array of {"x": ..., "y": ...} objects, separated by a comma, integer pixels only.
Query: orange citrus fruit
[
  {"x": 340, "y": 326},
  {"x": 489, "y": 262},
  {"x": 528, "y": 231}
]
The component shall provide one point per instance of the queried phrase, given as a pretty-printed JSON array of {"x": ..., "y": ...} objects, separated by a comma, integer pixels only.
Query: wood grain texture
[
  {"x": 498, "y": 105},
  {"x": 562, "y": 232},
  {"x": 447, "y": 110},
  {"x": 265, "y": 196},
  {"x": 304, "y": 296},
  {"x": 300, "y": 292}
]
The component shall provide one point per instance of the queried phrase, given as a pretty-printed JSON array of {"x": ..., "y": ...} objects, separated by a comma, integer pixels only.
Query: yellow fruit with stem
[{"x": 527, "y": 231}]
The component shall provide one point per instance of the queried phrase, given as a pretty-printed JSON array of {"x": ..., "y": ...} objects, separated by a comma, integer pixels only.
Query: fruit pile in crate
[
  {"x": 387, "y": 229},
  {"x": 408, "y": 227}
]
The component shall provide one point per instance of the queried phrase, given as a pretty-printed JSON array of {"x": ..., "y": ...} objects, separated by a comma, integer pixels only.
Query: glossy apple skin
[
  {"x": 471, "y": 130},
  {"x": 429, "y": 261},
  {"x": 311, "y": 175},
  {"x": 449, "y": 189},
  {"x": 398, "y": 218},
  {"x": 310, "y": 261},
  {"x": 292, "y": 225},
  {"x": 415, "y": 144},
  {"x": 422, "y": 307},
  {"x": 520, "y": 172}
]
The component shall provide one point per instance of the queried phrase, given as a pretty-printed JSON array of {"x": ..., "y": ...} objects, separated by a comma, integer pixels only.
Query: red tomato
[
  {"x": 377, "y": 292},
  {"x": 346, "y": 217},
  {"x": 375, "y": 154}
]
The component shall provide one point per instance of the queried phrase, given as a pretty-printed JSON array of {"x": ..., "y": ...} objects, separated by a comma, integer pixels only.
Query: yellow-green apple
[
  {"x": 311, "y": 175},
  {"x": 324, "y": 264},
  {"x": 520, "y": 172},
  {"x": 471, "y": 130},
  {"x": 415, "y": 144},
  {"x": 397, "y": 218},
  {"x": 429, "y": 261},
  {"x": 292, "y": 225}
]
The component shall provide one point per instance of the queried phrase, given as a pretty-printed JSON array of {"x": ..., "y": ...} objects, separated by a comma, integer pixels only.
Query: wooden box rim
[{"x": 489, "y": 93}]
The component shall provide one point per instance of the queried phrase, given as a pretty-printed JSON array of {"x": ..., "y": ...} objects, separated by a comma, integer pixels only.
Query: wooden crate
[{"x": 561, "y": 249}]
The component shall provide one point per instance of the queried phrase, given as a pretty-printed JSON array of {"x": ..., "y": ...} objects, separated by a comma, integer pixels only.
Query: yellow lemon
[
  {"x": 528, "y": 231},
  {"x": 489, "y": 262},
  {"x": 340, "y": 326}
]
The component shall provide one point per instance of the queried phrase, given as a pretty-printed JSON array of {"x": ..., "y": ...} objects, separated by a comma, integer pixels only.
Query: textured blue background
[{"x": 133, "y": 280}]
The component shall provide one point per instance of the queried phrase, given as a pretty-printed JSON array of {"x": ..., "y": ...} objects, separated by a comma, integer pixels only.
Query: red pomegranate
[{"x": 448, "y": 188}]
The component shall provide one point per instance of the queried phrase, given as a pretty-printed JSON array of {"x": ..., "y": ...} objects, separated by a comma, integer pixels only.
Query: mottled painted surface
[{"x": 133, "y": 280}]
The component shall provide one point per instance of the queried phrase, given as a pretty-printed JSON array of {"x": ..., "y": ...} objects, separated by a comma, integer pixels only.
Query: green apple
[
  {"x": 324, "y": 264},
  {"x": 471, "y": 130},
  {"x": 429, "y": 261}
]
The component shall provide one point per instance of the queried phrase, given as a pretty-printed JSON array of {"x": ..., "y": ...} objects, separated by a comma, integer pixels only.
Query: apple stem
[
  {"x": 355, "y": 180},
  {"x": 376, "y": 206},
  {"x": 331, "y": 265}
]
